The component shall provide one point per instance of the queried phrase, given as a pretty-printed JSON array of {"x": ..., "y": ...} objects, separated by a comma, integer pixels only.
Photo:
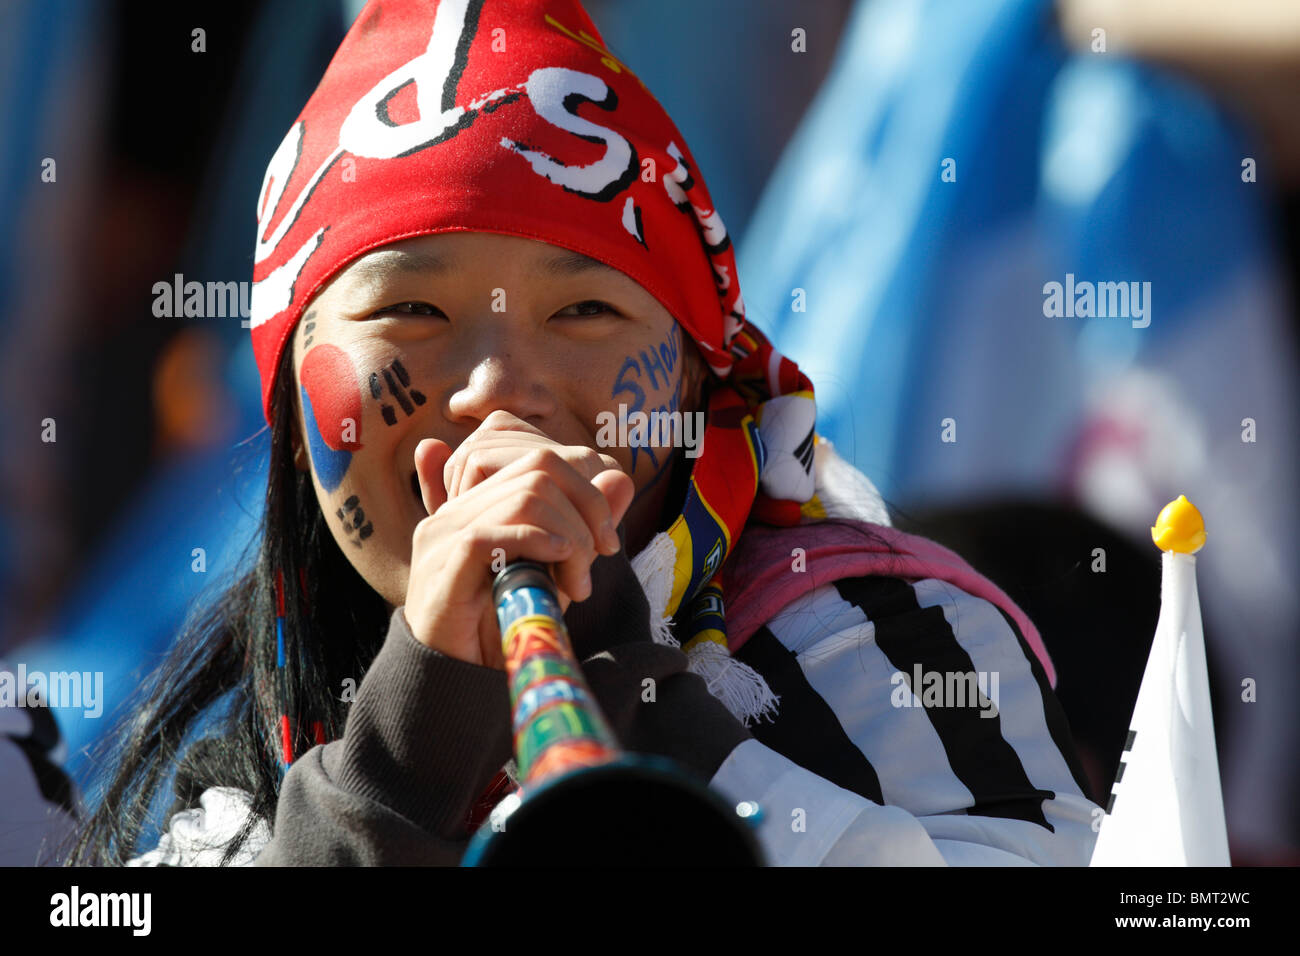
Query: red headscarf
[
  {"x": 506, "y": 117},
  {"x": 510, "y": 116}
]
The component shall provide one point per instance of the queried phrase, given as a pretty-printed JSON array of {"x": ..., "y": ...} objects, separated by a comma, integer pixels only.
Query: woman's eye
[
  {"x": 589, "y": 307},
  {"x": 412, "y": 308}
]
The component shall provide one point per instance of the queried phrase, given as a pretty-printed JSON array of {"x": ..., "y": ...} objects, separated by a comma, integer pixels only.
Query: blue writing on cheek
[
  {"x": 658, "y": 361},
  {"x": 668, "y": 350},
  {"x": 632, "y": 388},
  {"x": 652, "y": 362},
  {"x": 623, "y": 384},
  {"x": 672, "y": 406},
  {"x": 662, "y": 358}
]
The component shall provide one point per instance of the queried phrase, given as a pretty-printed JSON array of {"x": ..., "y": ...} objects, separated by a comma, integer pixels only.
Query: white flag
[{"x": 1166, "y": 806}]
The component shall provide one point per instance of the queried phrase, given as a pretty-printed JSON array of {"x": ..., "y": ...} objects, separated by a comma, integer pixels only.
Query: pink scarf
[{"x": 759, "y": 583}]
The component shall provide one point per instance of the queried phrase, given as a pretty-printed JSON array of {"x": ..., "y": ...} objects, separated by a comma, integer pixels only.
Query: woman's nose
[{"x": 505, "y": 381}]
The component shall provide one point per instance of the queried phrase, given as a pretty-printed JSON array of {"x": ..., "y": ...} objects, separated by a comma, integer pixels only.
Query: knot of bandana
[{"x": 514, "y": 118}]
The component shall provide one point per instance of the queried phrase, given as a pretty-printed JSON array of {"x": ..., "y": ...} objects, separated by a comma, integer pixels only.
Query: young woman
[{"x": 484, "y": 257}]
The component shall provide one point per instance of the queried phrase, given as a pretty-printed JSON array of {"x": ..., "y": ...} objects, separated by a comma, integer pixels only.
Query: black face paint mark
[
  {"x": 399, "y": 389},
  {"x": 308, "y": 327},
  {"x": 354, "y": 521}
]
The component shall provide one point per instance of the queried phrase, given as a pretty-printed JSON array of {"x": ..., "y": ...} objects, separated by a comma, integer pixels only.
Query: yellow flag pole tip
[{"x": 1179, "y": 527}]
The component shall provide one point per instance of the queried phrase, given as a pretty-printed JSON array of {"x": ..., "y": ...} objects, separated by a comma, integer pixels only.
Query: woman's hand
[{"x": 508, "y": 492}]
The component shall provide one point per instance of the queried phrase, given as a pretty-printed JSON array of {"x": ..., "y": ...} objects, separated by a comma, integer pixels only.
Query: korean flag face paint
[
  {"x": 331, "y": 402},
  {"x": 427, "y": 337}
]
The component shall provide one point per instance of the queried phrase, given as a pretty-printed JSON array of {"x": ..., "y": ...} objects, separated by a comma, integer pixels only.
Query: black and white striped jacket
[
  {"x": 857, "y": 769},
  {"x": 862, "y": 764}
]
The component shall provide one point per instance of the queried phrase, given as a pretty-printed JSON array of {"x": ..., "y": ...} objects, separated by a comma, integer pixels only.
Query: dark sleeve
[
  {"x": 423, "y": 738},
  {"x": 675, "y": 716},
  {"x": 427, "y": 733}
]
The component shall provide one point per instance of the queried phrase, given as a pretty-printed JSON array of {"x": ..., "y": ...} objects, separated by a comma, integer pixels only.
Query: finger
[
  {"x": 588, "y": 462},
  {"x": 619, "y": 489},
  {"x": 489, "y": 455},
  {"x": 541, "y": 472},
  {"x": 493, "y": 426},
  {"x": 590, "y": 502},
  {"x": 430, "y": 456},
  {"x": 499, "y": 505},
  {"x": 548, "y": 509},
  {"x": 469, "y": 569},
  {"x": 474, "y": 464},
  {"x": 489, "y": 636}
]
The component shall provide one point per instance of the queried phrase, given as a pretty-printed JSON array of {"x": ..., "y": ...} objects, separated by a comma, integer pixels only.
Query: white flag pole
[{"x": 1166, "y": 806}]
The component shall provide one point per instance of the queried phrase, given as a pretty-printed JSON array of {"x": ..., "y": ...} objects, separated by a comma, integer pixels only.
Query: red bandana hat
[
  {"x": 510, "y": 116},
  {"x": 492, "y": 117}
]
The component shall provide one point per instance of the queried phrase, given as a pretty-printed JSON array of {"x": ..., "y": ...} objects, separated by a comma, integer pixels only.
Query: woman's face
[{"x": 426, "y": 337}]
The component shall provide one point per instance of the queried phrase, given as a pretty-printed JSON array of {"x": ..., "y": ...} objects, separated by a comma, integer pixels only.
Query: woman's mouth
[{"x": 415, "y": 489}]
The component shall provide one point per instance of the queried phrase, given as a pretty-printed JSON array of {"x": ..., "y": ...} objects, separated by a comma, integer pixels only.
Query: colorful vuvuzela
[
  {"x": 582, "y": 800},
  {"x": 557, "y": 725}
]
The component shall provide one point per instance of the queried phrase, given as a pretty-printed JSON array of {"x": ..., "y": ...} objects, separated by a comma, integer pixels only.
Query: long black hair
[{"x": 223, "y": 676}]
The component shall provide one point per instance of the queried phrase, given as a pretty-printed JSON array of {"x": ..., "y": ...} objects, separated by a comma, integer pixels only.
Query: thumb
[{"x": 430, "y": 457}]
